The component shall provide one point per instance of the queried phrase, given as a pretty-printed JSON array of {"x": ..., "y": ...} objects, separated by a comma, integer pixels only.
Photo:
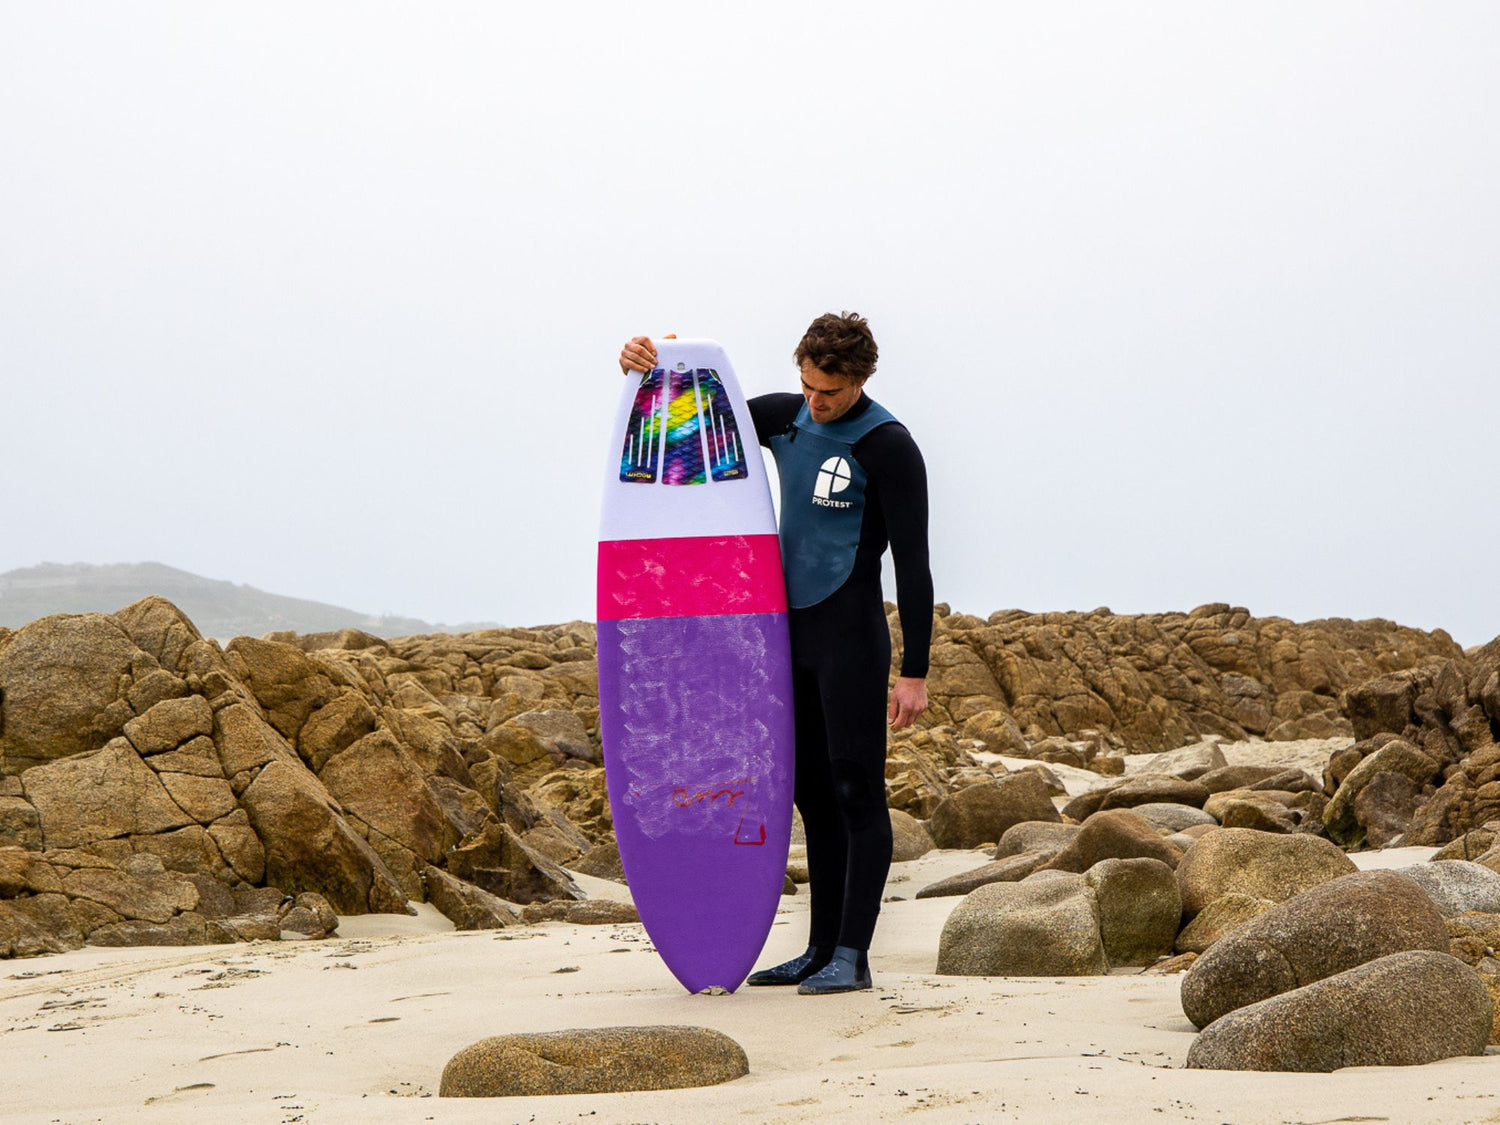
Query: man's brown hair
[{"x": 839, "y": 344}]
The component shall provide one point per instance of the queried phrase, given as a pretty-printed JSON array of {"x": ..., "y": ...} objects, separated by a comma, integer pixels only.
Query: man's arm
[{"x": 895, "y": 465}]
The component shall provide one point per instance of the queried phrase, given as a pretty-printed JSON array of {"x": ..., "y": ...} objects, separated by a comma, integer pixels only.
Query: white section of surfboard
[{"x": 635, "y": 510}]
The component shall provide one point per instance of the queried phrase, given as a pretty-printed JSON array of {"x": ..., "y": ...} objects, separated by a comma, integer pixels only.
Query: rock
[
  {"x": 100, "y": 796},
  {"x": 1172, "y": 817},
  {"x": 1471, "y": 845},
  {"x": 1289, "y": 781},
  {"x": 1219, "y": 918},
  {"x": 998, "y": 731},
  {"x": 1035, "y": 836},
  {"x": 499, "y": 861},
  {"x": 1139, "y": 909},
  {"x": 561, "y": 732},
  {"x": 1137, "y": 790},
  {"x": 468, "y": 907},
  {"x": 308, "y": 846},
  {"x": 1236, "y": 777},
  {"x": 25, "y": 872},
  {"x": 1258, "y": 864},
  {"x": 1402, "y": 1010},
  {"x": 1042, "y": 927},
  {"x": 288, "y": 683},
  {"x": 143, "y": 891},
  {"x": 589, "y": 912},
  {"x": 375, "y": 781},
  {"x": 1250, "y": 810},
  {"x": 1396, "y": 756},
  {"x": 910, "y": 840},
  {"x": 981, "y": 813},
  {"x": 1113, "y": 834},
  {"x": 1189, "y": 762},
  {"x": 333, "y": 728},
  {"x": 1383, "y": 703},
  {"x": 1268, "y": 799},
  {"x": 1168, "y": 965},
  {"x": 60, "y": 679},
  {"x": 1318, "y": 933},
  {"x": 181, "y": 929},
  {"x": 37, "y": 924},
  {"x": 602, "y": 861},
  {"x": 239, "y": 845},
  {"x": 19, "y": 824},
  {"x": 1457, "y": 886},
  {"x": 308, "y": 916},
  {"x": 1011, "y": 869},
  {"x": 1384, "y": 808},
  {"x": 602, "y": 1060},
  {"x": 169, "y": 724}
]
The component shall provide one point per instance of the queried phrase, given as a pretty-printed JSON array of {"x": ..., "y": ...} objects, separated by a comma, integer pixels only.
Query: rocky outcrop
[
  {"x": 346, "y": 778},
  {"x": 602, "y": 1060}
]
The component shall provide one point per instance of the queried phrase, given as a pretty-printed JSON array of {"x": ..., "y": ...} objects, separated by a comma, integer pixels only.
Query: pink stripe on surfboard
[{"x": 696, "y": 576}]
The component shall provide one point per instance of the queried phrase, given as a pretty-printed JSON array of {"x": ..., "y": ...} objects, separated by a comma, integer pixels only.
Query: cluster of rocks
[
  {"x": 1428, "y": 749},
  {"x": 464, "y": 770},
  {"x": 1295, "y": 960},
  {"x": 157, "y": 788}
]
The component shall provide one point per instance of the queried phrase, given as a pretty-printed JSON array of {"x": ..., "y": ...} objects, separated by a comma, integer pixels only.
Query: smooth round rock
[
  {"x": 601, "y": 1060},
  {"x": 1458, "y": 885}
]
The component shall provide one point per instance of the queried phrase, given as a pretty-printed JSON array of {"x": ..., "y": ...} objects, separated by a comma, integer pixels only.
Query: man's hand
[
  {"x": 908, "y": 700},
  {"x": 638, "y": 355}
]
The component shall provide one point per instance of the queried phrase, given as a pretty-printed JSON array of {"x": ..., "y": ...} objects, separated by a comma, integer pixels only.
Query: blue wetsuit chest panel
[{"x": 822, "y": 500}]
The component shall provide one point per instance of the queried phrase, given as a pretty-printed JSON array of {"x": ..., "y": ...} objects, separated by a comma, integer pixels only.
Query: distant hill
[{"x": 219, "y": 609}]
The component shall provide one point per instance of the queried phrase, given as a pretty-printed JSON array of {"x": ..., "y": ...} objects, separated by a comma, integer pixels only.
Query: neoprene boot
[
  {"x": 848, "y": 971},
  {"x": 795, "y": 971}
]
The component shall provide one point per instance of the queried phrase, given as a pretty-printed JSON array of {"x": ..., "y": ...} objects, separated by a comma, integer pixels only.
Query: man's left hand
[{"x": 908, "y": 700}]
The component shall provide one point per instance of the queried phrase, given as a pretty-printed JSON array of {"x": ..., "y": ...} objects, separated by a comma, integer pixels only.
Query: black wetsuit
[{"x": 841, "y": 654}]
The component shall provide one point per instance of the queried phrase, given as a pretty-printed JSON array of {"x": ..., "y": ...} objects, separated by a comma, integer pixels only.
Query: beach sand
[{"x": 358, "y": 1027}]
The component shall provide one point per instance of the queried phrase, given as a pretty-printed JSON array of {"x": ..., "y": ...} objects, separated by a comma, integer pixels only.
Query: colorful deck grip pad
[{"x": 701, "y": 433}]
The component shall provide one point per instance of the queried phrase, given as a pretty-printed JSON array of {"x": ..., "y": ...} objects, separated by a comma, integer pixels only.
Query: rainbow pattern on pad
[{"x": 697, "y": 419}]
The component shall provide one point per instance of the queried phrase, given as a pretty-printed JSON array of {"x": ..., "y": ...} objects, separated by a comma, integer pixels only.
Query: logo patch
[{"x": 833, "y": 476}]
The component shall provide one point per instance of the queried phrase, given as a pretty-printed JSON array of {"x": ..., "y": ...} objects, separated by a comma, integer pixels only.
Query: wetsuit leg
[
  {"x": 827, "y": 842},
  {"x": 842, "y": 648}
]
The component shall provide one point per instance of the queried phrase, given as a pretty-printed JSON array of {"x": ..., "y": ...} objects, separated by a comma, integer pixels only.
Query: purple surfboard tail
[{"x": 700, "y": 782}]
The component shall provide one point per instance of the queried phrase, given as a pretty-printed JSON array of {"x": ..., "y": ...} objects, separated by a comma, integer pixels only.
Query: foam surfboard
[{"x": 695, "y": 691}]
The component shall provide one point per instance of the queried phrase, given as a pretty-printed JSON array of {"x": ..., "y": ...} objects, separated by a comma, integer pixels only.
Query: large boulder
[
  {"x": 1402, "y": 1010},
  {"x": 1035, "y": 836},
  {"x": 980, "y": 814},
  {"x": 909, "y": 838},
  {"x": 310, "y": 847},
  {"x": 1189, "y": 762},
  {"x": 1398, "y": 757},
  {"x": 1139, "y": 908},
  {"x": 1254, "y": 863},
  {"x": 100, "y": 796},
  {"x": 1114, "y": 834},
  {"x": 1169, "y": 816},
  {"x": 1323, "y": 931},
  {"x": 1219, "y": 918},
  {"x": 63, "y": 681},
  {"x": 1039, "y": 927},
  {"x": 602, "y": 1060}
]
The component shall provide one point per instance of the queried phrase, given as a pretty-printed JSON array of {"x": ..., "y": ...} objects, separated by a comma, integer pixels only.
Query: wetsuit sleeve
[
  {"x": 773, "y": 414},
  {"x": 896, "y": 467}
]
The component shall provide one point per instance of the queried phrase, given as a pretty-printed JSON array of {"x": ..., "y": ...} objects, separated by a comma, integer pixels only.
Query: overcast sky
[{"x": 1184, "y": 302}]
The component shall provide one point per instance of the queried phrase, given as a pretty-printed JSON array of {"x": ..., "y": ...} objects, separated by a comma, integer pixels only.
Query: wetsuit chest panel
[{"x": 822, "y": 501}]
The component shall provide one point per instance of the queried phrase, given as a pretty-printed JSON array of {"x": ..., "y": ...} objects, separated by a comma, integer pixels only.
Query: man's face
[{"x": 829, "y": 397}]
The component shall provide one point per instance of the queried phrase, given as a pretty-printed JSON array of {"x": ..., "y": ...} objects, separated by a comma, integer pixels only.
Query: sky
[{"x": 1184, "y": 302}]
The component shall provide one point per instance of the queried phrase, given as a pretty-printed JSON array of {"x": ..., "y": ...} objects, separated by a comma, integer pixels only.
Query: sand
[{"x": 357, "y": 1028}]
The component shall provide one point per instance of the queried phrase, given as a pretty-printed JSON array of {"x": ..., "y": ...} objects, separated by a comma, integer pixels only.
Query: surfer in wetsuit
[{"x": 852, "y": 482}]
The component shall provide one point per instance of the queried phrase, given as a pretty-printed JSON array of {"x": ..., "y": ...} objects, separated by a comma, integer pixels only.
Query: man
[{"x": 852, "y": 481}]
